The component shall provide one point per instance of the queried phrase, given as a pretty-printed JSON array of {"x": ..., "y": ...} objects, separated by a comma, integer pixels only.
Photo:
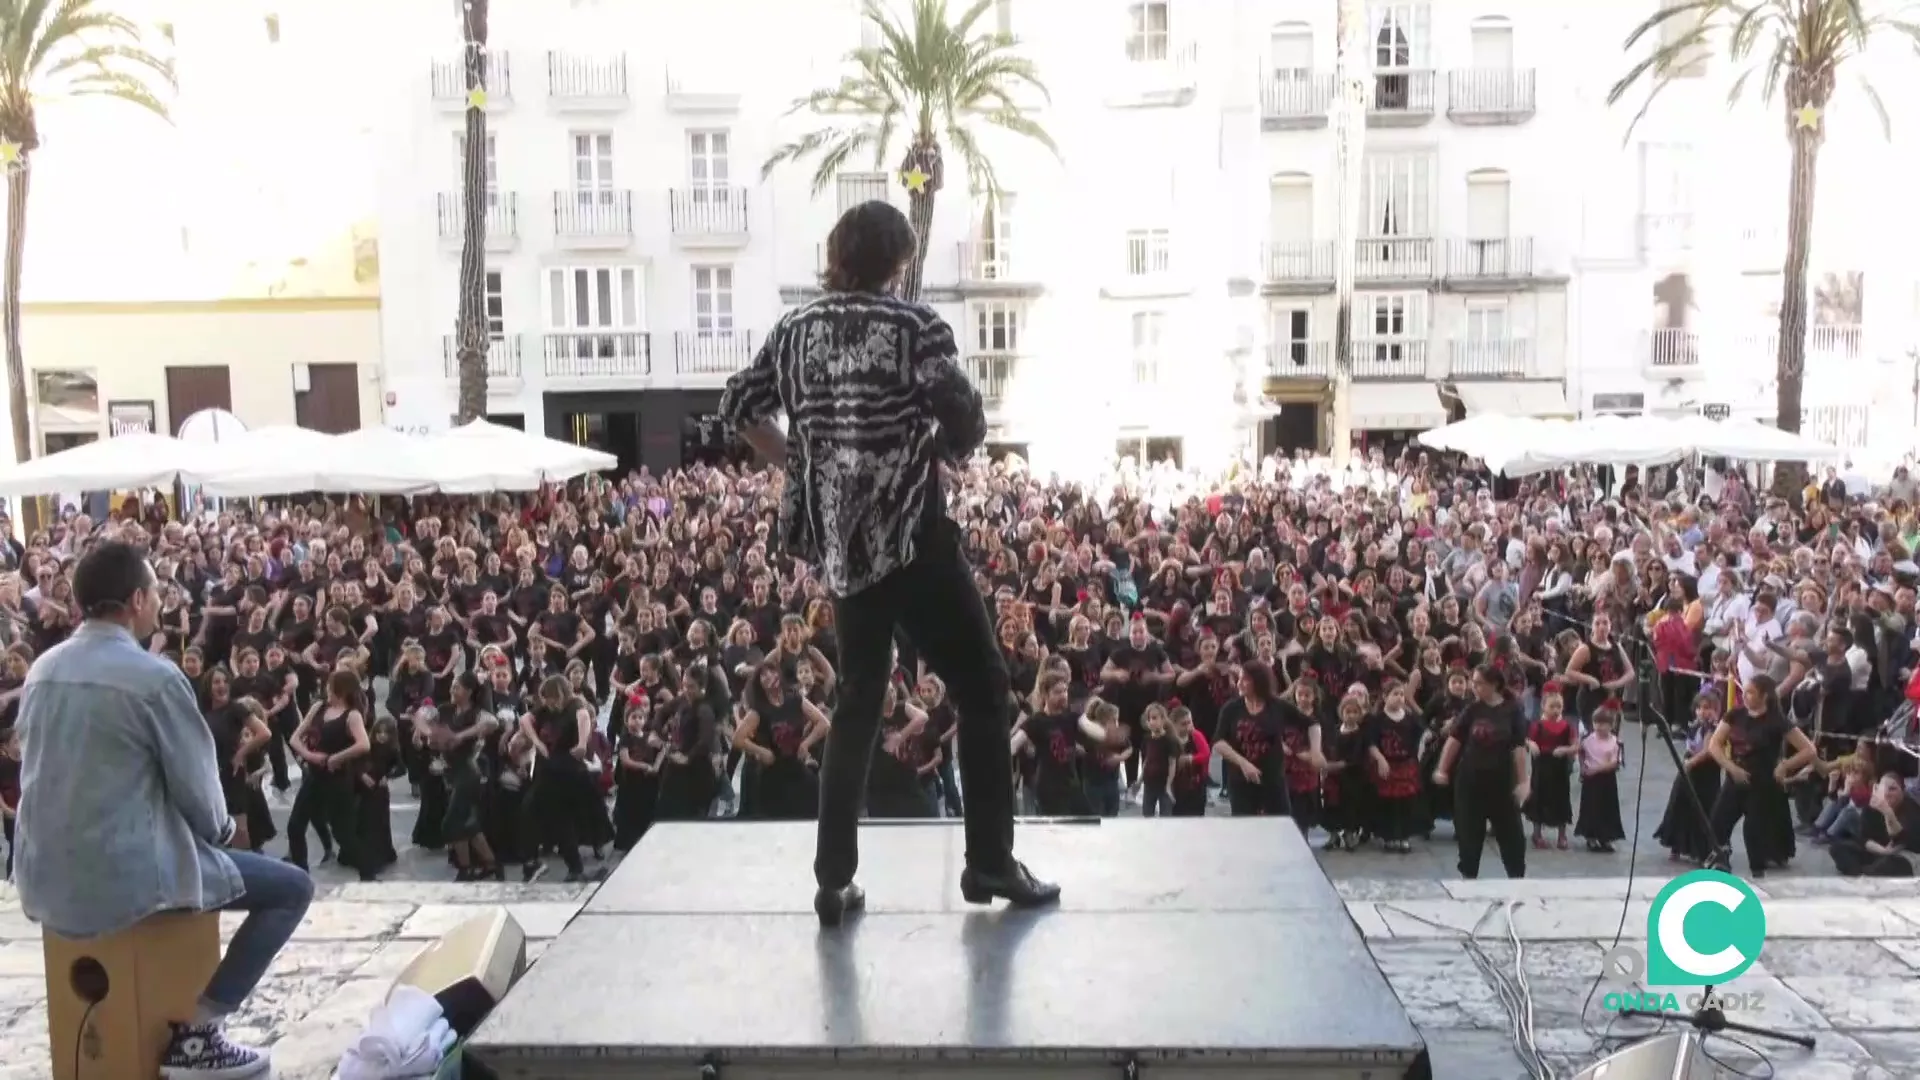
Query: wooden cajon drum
[{"x": 155, "y": 973}]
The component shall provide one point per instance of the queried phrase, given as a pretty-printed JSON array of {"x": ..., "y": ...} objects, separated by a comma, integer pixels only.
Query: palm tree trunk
[
  {"x": 18, "y": 180},
  {"x": 924, "y": 159},
  {"x": 471, "y": 329},
  {"x": 1790, "y": 364},
  {"x": 1349, "y": 133}
]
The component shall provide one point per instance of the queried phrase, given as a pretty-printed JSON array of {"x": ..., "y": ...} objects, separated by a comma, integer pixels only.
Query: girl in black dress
[
  {"x": 1191, "y": 756},
  {"x": 1302, "y": 727},
  {"x": 557, "y": 730},
  {"x": 688, "y": 780},
  {"x": 1253, "y": 743},
  {"x": 1599, "y": 667},
  {"x": 330, "y": 740},
  {"x": 1343, "y": 812},
  {"x": 779, "y": 730},
  {"x": 636, "y": 773},
  {"x": 1393, "y": 764},
  {"x": 1554, "y": 744},
  {"x": 1751, "y": 746},
  {"x": 1599, "y": 820},
  {"x": 381, "y": 764},
  {"x": 240, "y": 736},
  {"x": 900, "y": 783},
  {"x": 460, "y": 734},
  {"x": 1681, "y": 831}
]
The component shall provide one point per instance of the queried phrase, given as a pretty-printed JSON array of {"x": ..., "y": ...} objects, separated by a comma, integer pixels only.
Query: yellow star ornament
[
  {"x": 476, "y": 98},
  {"x": 915, "y": 179},
  {"x": 1807, "y": 117},
  {"x": 9, "y": 154}
]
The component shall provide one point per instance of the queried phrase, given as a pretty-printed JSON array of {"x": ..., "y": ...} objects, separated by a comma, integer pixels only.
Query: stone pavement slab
[{"x": 1842, "y": 962}]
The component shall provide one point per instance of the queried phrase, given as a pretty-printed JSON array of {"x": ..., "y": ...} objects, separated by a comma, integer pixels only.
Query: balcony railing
[
  {"x": 503, "y": 357},
  {"x": 592, "y": 213},
  {"x": 599, "y": 354},
  {"x": 571, "y": 77},
  {"x": 1296, "y": 95},
  {"x": 1488, "y": 359},
  {"x": 1390, "y": 358},
  {"x": 1300, "y": 359},
  {"x": 450, "y": 80},
  {"x": 502, "y": 215},
  {"x": 711, "y": 352},
  {"x": 1408, "y": 93},
  {"x": 1307, "y": 260},
  {"x": 1670, "y": 231},
  {"x": 1146, "y": 369},
  {"x": 1847, "y": 342},
  {"x": 992, "y": 374},
  {"x": 708, "y": 211},
  {"x": 1489, "y": 94},
  {"x": 1502, "y": 259},
  {"x": 1673, "y": 349},
  {"x": 1394, "y": 258},
  {"x": 985, "y": 261},
  {"x": 1156, "y": 71}
]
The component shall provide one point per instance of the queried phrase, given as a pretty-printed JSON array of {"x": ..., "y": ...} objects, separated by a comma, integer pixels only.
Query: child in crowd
[
  {"x": 1158, "y": 753},
  {"x": 1393, "y": 751},
  {"x": 1681, "y": 830},
  {"x": 1342, "y": 812},
  {"x": 1852, "y": 790},
  {"x": 1554, "y": 744},
  {"x": 1599, "y": 820}
]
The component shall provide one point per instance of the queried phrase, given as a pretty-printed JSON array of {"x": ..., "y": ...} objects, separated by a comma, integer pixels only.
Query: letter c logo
[{"x": 1672, "y": 929}]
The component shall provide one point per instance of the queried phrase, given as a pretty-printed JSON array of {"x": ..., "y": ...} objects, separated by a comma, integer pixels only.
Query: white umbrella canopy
[
  {"x": 379, "y": 461},
  {"x": 1748, "y": 441},
  {"x": 271, "y": 461},
  {"x": 479, "y": 456},
  {"x": 139, "y": 460},
  {"x": 1484, "y": 433}
]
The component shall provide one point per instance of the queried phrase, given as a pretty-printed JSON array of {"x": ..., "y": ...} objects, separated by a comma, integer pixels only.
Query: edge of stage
[{"x": 1192, "y": 945}]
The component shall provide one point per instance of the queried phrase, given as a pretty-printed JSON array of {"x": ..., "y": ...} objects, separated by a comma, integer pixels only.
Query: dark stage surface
[{"x": 1208, "y": 948}]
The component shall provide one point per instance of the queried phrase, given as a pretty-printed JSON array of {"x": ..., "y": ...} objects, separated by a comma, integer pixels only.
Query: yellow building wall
[{"x": 128, "y": 346}]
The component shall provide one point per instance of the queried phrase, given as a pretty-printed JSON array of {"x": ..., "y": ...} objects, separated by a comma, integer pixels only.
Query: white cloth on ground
[{"x": 406, "y": 1037}]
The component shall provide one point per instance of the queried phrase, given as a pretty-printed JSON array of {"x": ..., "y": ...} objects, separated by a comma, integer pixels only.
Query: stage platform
[{"x": 1205, "y": 948}]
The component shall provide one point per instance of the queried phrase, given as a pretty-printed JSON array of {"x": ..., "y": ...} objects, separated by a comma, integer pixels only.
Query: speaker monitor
[
  {"x": 1663, "y": 1057},
  {"x": 109, "y": 999},
  {"x": 471, "y": 968}
]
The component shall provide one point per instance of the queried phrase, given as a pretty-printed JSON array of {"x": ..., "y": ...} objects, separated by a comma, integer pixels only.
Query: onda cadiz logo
[{"x": 1704, "y": 928}]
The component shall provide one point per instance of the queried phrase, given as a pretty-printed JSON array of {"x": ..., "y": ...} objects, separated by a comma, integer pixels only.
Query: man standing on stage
[
  {"x": 875, "y": 403},
  {"x": 122, "y": 813}
]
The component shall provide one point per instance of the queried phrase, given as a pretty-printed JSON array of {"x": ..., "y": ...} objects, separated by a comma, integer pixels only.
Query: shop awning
[
  {"x": 1539, "y": 398},
  {"x": 1410, "y": 406}
]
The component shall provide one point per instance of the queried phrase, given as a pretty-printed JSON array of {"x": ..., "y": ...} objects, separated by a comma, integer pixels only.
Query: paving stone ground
[{"x": 1842, "y": 963}]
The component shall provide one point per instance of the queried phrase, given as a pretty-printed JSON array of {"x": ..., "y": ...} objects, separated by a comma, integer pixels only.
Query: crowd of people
[{"x": 1367, "y": 650}]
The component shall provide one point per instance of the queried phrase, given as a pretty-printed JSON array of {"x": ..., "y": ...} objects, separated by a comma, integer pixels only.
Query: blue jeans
[
  {"x": 1839, "y": 819},
  {"x": 275, "y": 900}
]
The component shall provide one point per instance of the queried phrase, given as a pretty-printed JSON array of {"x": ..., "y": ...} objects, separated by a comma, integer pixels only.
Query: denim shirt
[{"x": 121, "y": 813}]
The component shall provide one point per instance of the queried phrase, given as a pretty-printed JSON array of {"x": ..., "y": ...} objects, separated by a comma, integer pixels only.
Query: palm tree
[
  {"x": 470, "y": 329},
  {"x": 56, "y": 50},
  {"x": 930, "y": 80},
  {"x": 1791, "y": 54}
]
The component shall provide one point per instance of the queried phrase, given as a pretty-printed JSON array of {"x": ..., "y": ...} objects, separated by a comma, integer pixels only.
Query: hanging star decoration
[
  {"x": 915, "y": 179},
  {"x": 1807, "y": 117},
  {"x": 476, "y": 98},
  {"x": 10, "y": 158}
]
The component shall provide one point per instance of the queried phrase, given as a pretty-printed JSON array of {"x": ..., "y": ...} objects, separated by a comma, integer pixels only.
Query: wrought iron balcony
[
  {"x": 593, "y": 215},
  {"x": 1300, "y": 359},
  {"x": 1400, "y": 97},
  {"x": 501, "y": 218},
  {"x": 1155, "y": 72},
  {"x": 983, "y": 261},
  {"x": 1490, "y": 96},
  {"x": 577, "y": 81},
  {"x": 992, "y": 374},
  {"x": 599, "y": 354},
  {"x": 1390, "y": 358},
  {"x": 1394, "y": 258},
  {"x": 709, "y": 213},
  {"x": 1503, "y": 259},
  {"x": 503, "y": 357},
  {"x": 1488, "y": 359},
  {"x": 1300, "y": 261},
  {"x": 711, "y": 352},
  {"x": 449, "y": 82},
  {"x": 1296, "y": 99},
  {"x": 1673, "y": 351}
]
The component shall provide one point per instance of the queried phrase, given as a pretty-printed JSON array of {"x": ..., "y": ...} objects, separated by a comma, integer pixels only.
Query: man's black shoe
[
  {"x": 834, "y": 905},
  {"x": 1016, "y": 885}
]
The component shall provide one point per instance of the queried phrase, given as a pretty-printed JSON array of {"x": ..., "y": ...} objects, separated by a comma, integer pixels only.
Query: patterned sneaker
[{"x": 203, "y": 1052}]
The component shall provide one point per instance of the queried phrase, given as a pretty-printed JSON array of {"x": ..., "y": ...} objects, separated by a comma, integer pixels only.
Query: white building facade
[
  {"x": 1162, "y": 287},
  {"x": 1678, "y": 276}
]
